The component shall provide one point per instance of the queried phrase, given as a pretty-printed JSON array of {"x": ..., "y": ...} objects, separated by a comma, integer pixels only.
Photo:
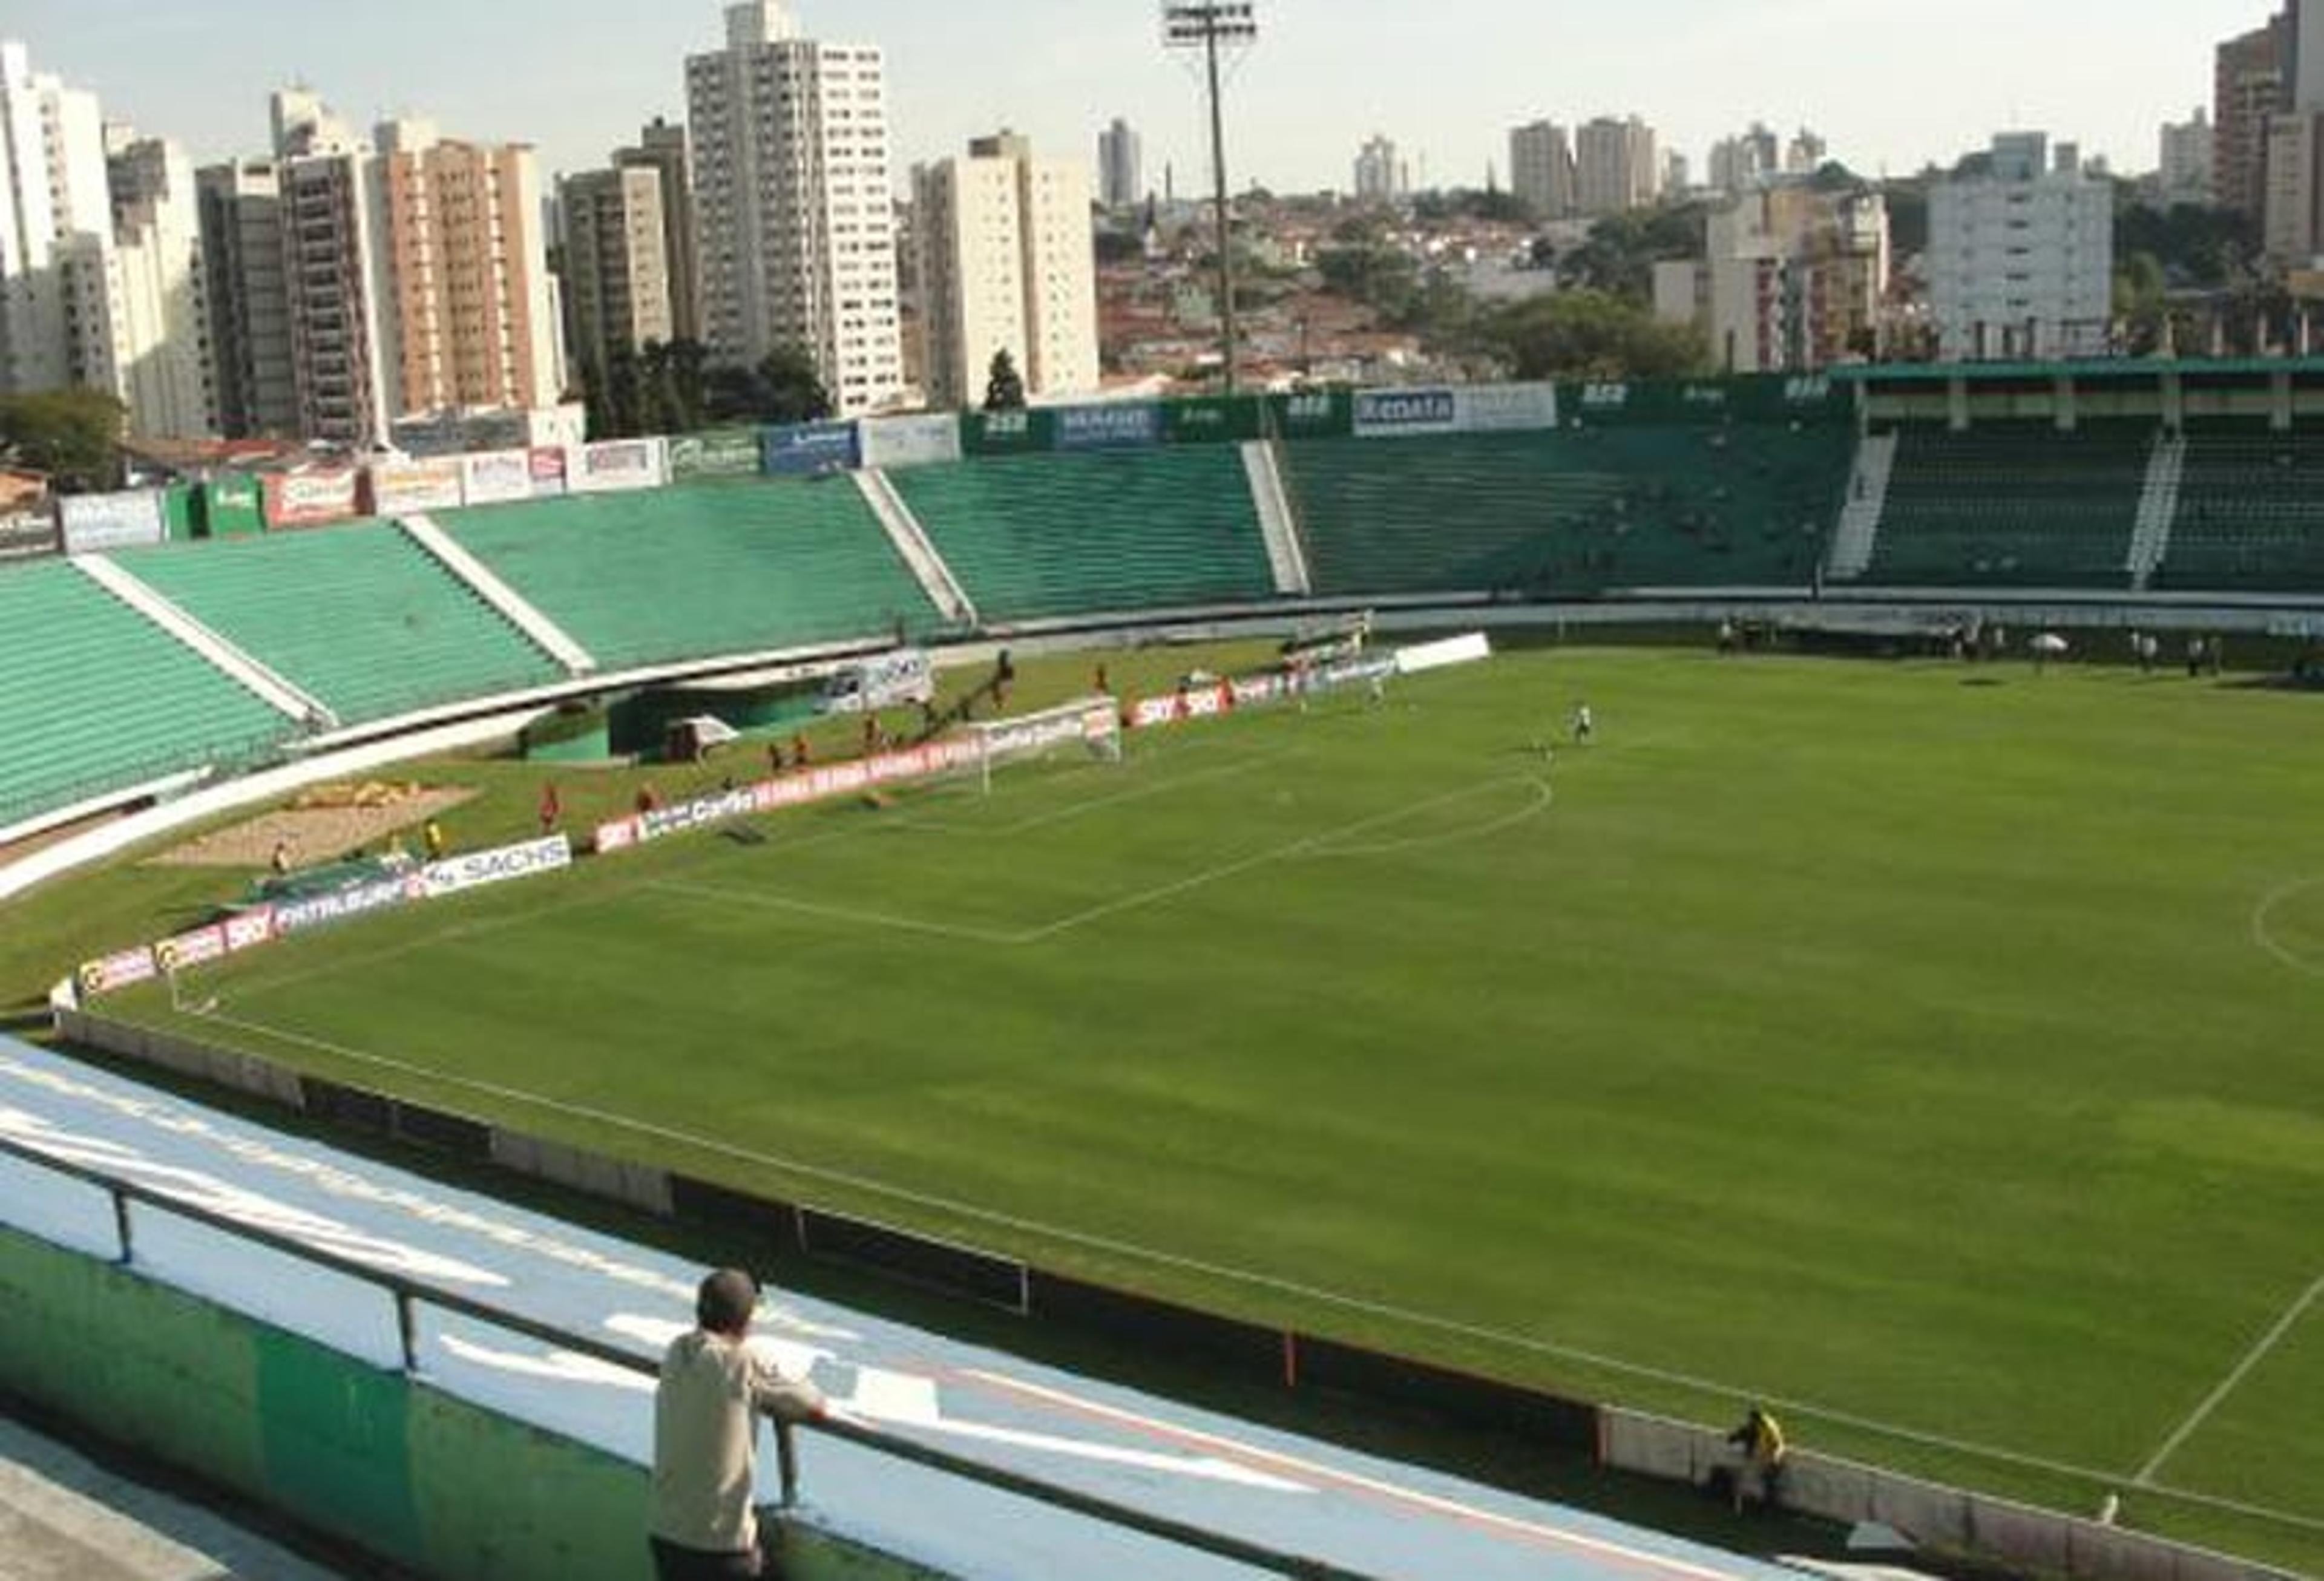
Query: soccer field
[{"x": 1931, "y": 1049}]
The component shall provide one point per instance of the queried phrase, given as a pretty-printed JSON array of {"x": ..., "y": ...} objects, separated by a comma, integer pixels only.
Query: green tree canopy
[
  {"x": 1004, "y": 387},
  {"x": 784, "y": 388},
  {"x": 1619, "y": 257},
  {"x": 72, "y": 435},
  {"x": 1589, "y": 335}
]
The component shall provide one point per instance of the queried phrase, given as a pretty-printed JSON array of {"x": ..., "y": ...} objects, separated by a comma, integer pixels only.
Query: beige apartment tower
[
  {"x": 1006, "y": 263},
  {"x": 473, "y": 324},
  {"x": 618, "y": 291}
]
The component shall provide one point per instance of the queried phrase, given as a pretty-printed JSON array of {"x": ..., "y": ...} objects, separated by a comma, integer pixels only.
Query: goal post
[{"x": 1091, "y": 725}]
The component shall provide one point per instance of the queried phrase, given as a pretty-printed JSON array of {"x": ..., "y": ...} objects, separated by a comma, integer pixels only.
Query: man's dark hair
[{"x": 724, "y": 1302}]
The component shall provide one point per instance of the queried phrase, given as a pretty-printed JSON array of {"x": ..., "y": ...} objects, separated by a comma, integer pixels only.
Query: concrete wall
[{"x": 372, "y": 1457}]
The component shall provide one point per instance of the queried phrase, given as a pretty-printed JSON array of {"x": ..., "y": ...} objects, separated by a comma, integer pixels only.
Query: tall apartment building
[
  {"x": 791, "y": 191},
  {"x": 1121, "y": 166},
  {"x": 663, "y": 148},
  {"x": 2184, "y": 171},
  {"x": 254, "y": 385},
  {"x": 59, "y": 282},
  {"x": 1380, "y": 175},
  {"x": 1805, "y": 155},
  {"x": 2293, "y": 228},
  {"x": 473, "y": 321},
  {"x": 1615, "y": 165},
  {"x": 2021, "y": 259},
  {"x": 340, "y": 297},
  {"x": 617, "y": 274},
  {"x": 163, "y": 358},
  {"x": 1541, "y": 169},
  {"x": 1006, "y": 263},
  {"x": 1792, "y": 278},
  {"x": 2253, "y": 80}
]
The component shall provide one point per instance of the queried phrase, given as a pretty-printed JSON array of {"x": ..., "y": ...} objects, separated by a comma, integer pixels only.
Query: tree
[
  {"x": 675, "y": 398},
  {"x": 1619, "y": 257},
  {"x": 1589, "y": 335},
  {"x": 794, "y": 389},
  {"x": 74, "y": 436},
  {"x": 1004, "y": 388}
]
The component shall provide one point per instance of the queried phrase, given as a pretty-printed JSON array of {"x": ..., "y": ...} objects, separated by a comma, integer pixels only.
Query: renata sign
[{"x": 1406, "y": 411}]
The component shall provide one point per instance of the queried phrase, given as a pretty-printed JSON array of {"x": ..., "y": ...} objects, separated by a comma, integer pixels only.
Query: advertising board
[
  {"x": 309, "y": 499},
  {"x": 295, "y": 917},
  {"x": 721, "y": 453},
  {"x": 398, "y": 488},
  {"x": 809, "y": 449},
  {"x": 922, "y": 441},
  {"x": 493, "y": 477},
  {"x": 616, "y": 465},
  {"x": 1107, "y": 426},
  {"x": 482, "y": 868},
  {"x": 94, "y": 523},
  {"x": 1472, "y": 408}
]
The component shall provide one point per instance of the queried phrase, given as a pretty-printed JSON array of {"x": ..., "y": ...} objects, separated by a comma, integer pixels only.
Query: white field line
[
  {"x": 2263, "y": 931},
  {"x": 1324, "y": 843},
  {"x": 265, "y": 985},
  {"x": 1225, "y": 1272},
  {"x": 1412, "y": 1498},
  {"x": 836, "y": 914},
  {"x": 2228, "y": 1385},
  {"x": 1301, "y": 847}
]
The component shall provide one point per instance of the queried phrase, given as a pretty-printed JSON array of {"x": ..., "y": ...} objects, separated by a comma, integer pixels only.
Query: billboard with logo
[
  {"x": 921, "y": 441},
  {"x": 1109, "y": 426},
  {"x": 479, "y": 869},
  {"x": 721, "y": 453},
  {"x": 27, "y": 536},
  {"x": 309, "y": 498},
  {"x": 615, "y": 465},
  {"x": 1467, "y": 409},
  {"x": 1312, "y": 414},
  {"x": 1005, "y": 433},
  {"x": 494, "y": 477},
  {"x": 230, "y": 507},
  {"x": 1213, "y": 420},
  {"x": 94, "y": 523},
  {"x": 398, "y": 488},
  {"x": 807, "y": 450}
]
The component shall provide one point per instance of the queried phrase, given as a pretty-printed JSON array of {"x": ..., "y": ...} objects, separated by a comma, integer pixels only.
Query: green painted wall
[{"x": 372, "y": 1457}]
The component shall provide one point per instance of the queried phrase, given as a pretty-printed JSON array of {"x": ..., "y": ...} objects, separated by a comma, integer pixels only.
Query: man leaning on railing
[{"x": 705, "y": 1435}]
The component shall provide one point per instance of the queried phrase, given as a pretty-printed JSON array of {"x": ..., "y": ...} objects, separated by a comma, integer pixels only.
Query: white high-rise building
[
  {"x": 1380, "y": 177},
  {"x": 2021, "y": 259},
  {"x": 792, "y": 197},
  {"x": 1541, "y": 169},
  {"x": 163, "y": 338},
  {"x": 2183, "y": 174},
  {"x": 1006, "y": 263},
  {"x": 1615, "y": 165},
  {"x": 60, "y": 281},
  {"x": 1121, "y": 166}
]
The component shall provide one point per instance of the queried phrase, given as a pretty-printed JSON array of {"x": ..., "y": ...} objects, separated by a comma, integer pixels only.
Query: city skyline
[{"x": 1061, "y": 71}]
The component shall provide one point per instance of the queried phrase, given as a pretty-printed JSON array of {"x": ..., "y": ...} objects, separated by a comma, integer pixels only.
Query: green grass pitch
[{"x": 1933, "y": 1049}]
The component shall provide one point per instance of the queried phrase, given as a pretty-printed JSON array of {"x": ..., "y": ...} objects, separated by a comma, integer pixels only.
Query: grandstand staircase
[
  {"x": 2158, "y": 507},
  {"x": 1859, "y": 533},
  {"x": 552, "y": 638},
  {"x": 913, "y": 545},
  {"x": 277, "y": 693},
  {"x": 1284, "y": 553}
]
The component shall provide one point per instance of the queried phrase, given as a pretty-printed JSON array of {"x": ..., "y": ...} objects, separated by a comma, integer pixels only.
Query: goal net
[{"x": 1092, "y": 726}]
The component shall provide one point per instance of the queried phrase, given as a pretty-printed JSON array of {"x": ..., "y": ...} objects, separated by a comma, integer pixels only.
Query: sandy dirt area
[{"x": 323, "y": 824}]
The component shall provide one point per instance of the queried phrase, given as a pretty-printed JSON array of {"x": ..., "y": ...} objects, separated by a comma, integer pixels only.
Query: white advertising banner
[
  {"x": 618, "y": 465},
  {"x": 493, "y": 477},
  {"x": 94, "y": 523},
  {"x": 921, "y": 441},
  {"x": 402, "y": 487},
  {"x": 478, "y": 869}
]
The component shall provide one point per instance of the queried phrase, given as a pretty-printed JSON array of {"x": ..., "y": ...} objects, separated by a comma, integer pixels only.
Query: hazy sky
[{"x": 1891, "y": 84}]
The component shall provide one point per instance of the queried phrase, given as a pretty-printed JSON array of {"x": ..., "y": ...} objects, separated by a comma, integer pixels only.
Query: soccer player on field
[{"x": 1585, "y": 724}]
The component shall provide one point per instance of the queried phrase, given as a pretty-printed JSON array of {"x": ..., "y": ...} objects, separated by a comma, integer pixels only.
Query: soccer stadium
[{"x": 1499, "y": 927}]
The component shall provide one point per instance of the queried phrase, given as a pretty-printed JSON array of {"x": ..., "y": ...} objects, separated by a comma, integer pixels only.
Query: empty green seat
[
  {"x": 96, "y": 698},
  {"x": 2019, "y": 506},
  {"x": 1039, "y": 536},
  {"x": 1568, "y": 512},
  {"x": 359, "y": 617},
  {"x": 2250, "y": 515},
  {"x": 701, "y": 571}
]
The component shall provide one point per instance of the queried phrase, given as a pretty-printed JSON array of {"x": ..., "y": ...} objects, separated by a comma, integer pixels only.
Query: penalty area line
[
  {"x": 2228, "y": 1385},
  {"x": 1247, "y": 1278}
]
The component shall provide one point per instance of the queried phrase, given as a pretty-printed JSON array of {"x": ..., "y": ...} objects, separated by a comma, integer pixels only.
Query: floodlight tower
[{"x": 1212, "y": 26}]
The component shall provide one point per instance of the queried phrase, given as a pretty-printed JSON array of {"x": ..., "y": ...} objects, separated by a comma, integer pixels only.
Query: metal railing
[{"x": 411, "y": 1295}]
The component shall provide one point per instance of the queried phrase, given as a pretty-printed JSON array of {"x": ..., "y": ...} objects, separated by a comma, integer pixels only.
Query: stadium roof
[{"x": 2096, "y": 368}]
